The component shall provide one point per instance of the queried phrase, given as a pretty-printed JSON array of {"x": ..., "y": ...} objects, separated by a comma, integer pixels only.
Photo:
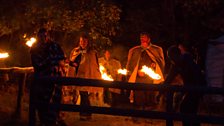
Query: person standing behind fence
[
  {"x": 84, "y": 64},
  {"x": 191, "y": 75},
  {"x": 111, "y": 95},
  {"x": 48, "y": 60},
  {"x": 152, "y": 56}
]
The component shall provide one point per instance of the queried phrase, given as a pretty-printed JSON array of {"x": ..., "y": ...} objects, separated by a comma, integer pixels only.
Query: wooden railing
[
  {"x": 22, "y": 72},
  {"x": 169, "y": 115}
]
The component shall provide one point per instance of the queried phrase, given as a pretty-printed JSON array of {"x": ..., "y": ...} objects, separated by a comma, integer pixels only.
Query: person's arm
[
  {"x": 171, "y": 75},
  {"x": 119, "y": 76},
  {"x": 129, "y": 64},
  {"x": 162, "y": 59},
  {"x": 39, "y": 58},
  {"x": 75, "y": 58},
  {"x": 56, "y": 53},
  {"x": 39, "y": 62}
]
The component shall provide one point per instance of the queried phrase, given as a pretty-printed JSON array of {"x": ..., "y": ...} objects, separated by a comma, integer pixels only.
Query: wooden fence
[
  {"x": 169, "y": 115},
  {"x": 22, "y": 72}
]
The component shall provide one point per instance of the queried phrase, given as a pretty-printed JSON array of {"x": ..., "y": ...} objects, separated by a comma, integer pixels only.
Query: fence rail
[
  {"x": 22, "y": 72},
  {"x": 169, "y": 115}
]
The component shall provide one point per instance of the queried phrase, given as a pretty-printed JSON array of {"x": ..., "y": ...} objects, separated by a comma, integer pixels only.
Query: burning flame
[
  {"x": 150, "y": 73},
  {"x": 122, "y": 71},
  {"x": 4, "y": 55},
  {"x": 31, "y": 41},
  {"x": 104, "y": 74}
]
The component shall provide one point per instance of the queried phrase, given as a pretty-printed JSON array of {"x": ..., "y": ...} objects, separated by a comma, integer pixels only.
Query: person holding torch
[{"x": 150, "y": 56}]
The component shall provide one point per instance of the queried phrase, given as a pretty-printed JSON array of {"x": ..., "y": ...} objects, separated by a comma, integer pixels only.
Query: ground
[{"x": 8, "y": 97}]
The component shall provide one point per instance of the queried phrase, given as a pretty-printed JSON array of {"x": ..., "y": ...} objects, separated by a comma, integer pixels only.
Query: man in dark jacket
[{"x": 48, "y": 60}]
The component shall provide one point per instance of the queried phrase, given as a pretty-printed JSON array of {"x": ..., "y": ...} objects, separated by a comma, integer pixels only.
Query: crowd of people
[{"x": 48, "y": 59}]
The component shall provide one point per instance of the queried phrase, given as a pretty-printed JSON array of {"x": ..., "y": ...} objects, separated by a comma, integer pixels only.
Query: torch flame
[
  {"x": 104, "y": 74},
  {"x": 122, "y": 71},
  {"x": 150, "y": 73},
  {"x": 4, "y": 55},
  {"x": 31, "y": 41}
]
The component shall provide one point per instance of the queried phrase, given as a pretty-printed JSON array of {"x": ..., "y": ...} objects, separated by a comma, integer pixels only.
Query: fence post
[
  {"x": 169, "y": 107},
  {"x": 32, "y": 107},
  {"x": 21, "y": 85}
]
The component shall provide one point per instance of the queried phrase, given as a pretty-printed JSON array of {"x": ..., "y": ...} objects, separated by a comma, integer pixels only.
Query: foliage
[
  {"x": 105, "y": 19},
  {"x": 65, "y": 17},
  {"x": 100, "y": 19},
  {"x": 9, "y": 16}
]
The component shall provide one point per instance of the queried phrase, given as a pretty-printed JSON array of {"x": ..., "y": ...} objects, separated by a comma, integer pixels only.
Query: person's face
[
  {"x": 182, "y": 48},
  {"x": 145, "y": 40},
  {"x": 83, "y": 42},
  {"x": 43, "y": 37},
  {"x": 107, "y": 55}
]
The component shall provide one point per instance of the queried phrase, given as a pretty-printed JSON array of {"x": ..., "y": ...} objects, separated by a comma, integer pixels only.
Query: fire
[
  {"x": 4, "y": 55},
  {"x": 104, "y": 74},
  {"x": 122, "y": 71},
  {"x": 31, "y": 41},
  {"x": 150, "y": 73}
]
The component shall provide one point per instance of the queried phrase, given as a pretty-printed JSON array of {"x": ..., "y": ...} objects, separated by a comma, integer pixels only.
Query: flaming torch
[
  {"x": 4, "y": 55},
  {"x": 122, "y": 71},
  {"x": 148, "y": 71},
  {"x": 30, "y": 41},
  {"x": 104, "y": 74}
]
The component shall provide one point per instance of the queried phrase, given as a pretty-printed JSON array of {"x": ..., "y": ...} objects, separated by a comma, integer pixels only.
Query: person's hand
[
  {"x": 75, "y": 64},
  {"x": 153, "y": 65},
  {"x": 141, "y": 74},
  {"x": 61, "y": 63}
]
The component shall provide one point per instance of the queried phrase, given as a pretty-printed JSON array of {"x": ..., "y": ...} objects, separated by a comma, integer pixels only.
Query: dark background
[{"x": 193, "y": 22}]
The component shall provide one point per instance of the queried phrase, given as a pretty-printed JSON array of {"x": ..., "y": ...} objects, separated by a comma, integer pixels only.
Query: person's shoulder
[
  {"x": 135, "y": 48},
  {"x": 187, "y": 56},
  {"x": 76, "y": 49},
  {"x": 116, "y": 61},
  {"x": 156, "y": 46},
  {"x": 35, "y": 47},
  {"x": 93, "y": 50},
  {"x": 52, "y": 44},
  {"x": 101, "y": 59}
]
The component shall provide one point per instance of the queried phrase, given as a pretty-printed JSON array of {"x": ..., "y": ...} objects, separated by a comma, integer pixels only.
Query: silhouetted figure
[
  {"x": 191, "y": 75},
  {"x": 48, "y": 60}
]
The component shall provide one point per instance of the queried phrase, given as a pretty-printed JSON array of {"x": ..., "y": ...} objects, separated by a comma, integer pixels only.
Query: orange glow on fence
[
  {"x": 31, "y": 41},
  {"x": 150, "y": 72},
  {"x": 4, "y": 55}
]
